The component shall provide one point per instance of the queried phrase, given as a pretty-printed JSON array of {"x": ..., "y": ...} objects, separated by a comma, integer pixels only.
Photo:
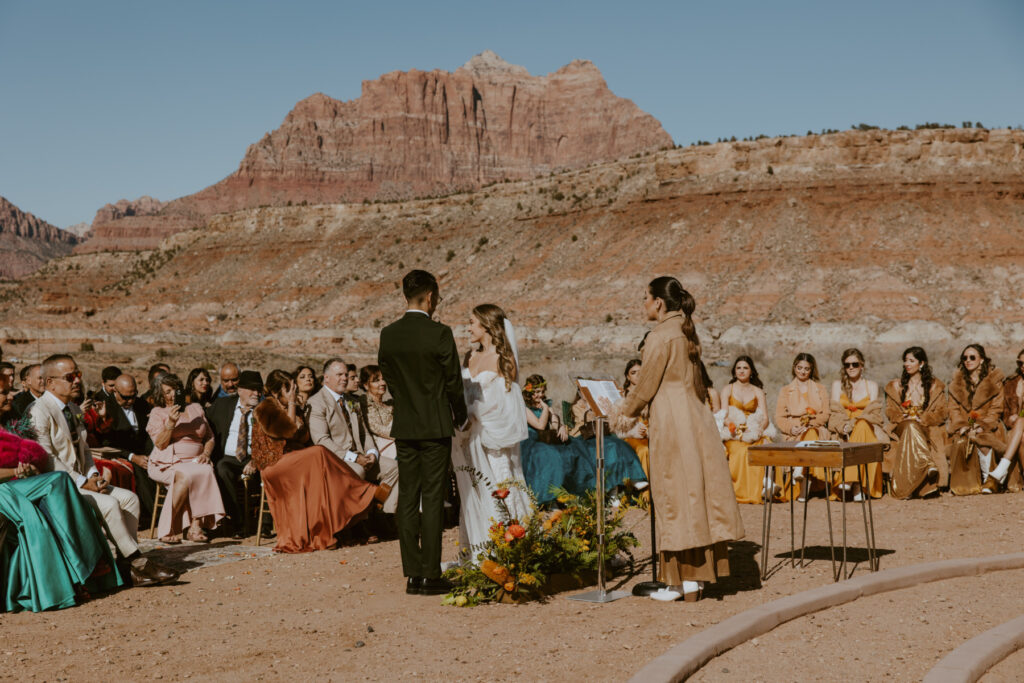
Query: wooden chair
[
  {"x": 159, "y": 497},
  {"x": 264, "y": 510}
]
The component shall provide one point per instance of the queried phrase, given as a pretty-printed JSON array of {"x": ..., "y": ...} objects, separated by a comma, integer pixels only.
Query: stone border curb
[
  {"x": 972, "y": 659},
  {"x": 684, "y": 659}
]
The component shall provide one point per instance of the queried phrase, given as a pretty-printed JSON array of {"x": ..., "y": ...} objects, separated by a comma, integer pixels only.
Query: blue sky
[{"x": 107, "y": 100}]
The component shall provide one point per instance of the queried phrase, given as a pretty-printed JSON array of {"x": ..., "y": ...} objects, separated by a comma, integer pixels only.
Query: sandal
[
  {"x": 171, "y": 539},
  {"x": 197, "y": 536}
]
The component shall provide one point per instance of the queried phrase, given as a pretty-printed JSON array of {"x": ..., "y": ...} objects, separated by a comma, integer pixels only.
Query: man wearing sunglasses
[{"x": 61, "y": 432}]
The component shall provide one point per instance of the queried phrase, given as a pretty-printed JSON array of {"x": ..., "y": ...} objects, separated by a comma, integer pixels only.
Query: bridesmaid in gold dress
[
  {"x": 975, "y": 422},
  {"x": 916, "y": 407},
  {"x": 801, "y": 414},
  {"x": 745, "y": 393},
  {"x": 856, "y": 416}
]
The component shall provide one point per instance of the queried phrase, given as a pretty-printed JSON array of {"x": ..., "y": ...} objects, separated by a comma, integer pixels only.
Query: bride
[{"x": 488, "y": 456}]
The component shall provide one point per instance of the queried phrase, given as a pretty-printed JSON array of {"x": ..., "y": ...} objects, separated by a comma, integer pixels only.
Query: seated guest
[
  {"x": 744, "y": 420},
  {"x": 58, "y": 423},
  {"x": 855, "y": 415},
  {"x": 7, "y": 372},
  {"x": 305, "y": 380},
  {"x": 180, "y": 460},
  {"x": 108, "y": 376},
  {"x": 916, "y": 407},
  {"x": 633, "y": 430},
  {"x": 59, "y": 554},
  {"x": 353, "y": 381},
  {"x": 154, "y": 373},
  {"x": 199, "y": 387},
  {"x": 231, "y": 419},
  {"x": 1009, "y": 472},
  {"x": 801, "y": 414},
  {"x": 117, "y": 471},
  {"x": 978, "y": 435},
  {"x": 125, "y": 430},
  {"x": 228, "y": 381},
  {"x": 313, "y": 495},
  {"x": 334, "y": 422},
  {"x": 31, "y": 388},
  {"x": 379, "y": 413},
  {"x": 549, "y": 460},
  {"x": 621, "y": 466}
]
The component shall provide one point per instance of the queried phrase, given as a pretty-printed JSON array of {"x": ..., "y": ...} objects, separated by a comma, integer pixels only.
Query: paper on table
[
  {"x": 600, "y": 389},
  {"x": 818, "y": 444}
]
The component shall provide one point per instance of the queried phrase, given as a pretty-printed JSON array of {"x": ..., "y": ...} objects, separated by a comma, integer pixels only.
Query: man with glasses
[{"x": 61, "y": 432}]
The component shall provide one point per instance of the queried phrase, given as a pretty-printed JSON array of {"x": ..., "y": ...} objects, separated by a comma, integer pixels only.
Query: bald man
[
  {"x": 228, "y": 381},
  {"x": 126, "y": 431}
]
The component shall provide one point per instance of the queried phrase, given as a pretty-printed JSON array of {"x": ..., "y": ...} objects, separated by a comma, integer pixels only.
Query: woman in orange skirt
[
  {"x": 856, "y": 417},
  {"x": 313, "y": 495}
]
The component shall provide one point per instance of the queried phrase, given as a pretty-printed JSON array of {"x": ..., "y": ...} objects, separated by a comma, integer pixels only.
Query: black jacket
[
  {"x": 219, "y": 415},
  {"x": 420, "y": 364},
  {"x": 121, "y": 435}
]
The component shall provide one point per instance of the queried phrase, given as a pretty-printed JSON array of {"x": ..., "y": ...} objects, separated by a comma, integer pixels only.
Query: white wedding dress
[{"x": 487, "y": 454}]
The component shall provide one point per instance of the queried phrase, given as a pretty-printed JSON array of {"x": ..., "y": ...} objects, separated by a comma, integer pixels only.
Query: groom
[{"x": 420, "y": 364}]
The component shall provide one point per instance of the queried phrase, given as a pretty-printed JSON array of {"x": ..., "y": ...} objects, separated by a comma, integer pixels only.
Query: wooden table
[{"x": 840, "y": 456}]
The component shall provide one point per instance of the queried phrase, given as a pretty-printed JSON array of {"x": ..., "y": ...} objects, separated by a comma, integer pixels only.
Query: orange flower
[
  {"x": 975, "y": 415},
  {"x": 556, "y": 515},
  {"x": 494, "y": 571},
  {"x": 732, "y": 427},
  {"x": 509, "y": 586},
  {"x": 509, "y": 537},
  {"x": 811, "y": 411},
  {"x": 501, "y": 494},
  {"x": 517, "y": 530}
]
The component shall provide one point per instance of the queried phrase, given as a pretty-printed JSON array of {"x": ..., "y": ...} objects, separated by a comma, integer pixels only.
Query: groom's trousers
[{"x": 423, "y": 473}]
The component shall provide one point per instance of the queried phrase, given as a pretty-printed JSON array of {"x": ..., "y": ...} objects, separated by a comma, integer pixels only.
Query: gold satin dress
[
  {"x": 912, "y": 460},
  {"x": 862, "y": 432}
]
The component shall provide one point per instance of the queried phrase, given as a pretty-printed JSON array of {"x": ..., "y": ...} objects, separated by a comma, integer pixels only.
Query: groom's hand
[{"x": 364, "y": 460}]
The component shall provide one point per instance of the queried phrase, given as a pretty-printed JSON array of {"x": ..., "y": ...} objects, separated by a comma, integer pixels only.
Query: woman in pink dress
[{"x": 182, "y": 444}]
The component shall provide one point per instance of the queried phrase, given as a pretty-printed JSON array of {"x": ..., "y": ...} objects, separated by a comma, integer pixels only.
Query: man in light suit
[
  {"x": 61, "y": 432},
  {"x": 335, "y": 423}
]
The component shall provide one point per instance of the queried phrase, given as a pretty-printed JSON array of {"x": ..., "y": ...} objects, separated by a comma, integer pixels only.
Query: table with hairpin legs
[{"x": 830, "y": 457}]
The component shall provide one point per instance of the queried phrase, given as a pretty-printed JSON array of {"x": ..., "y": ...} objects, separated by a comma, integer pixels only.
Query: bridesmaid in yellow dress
[
  {"x": 801, "y": 414},
  {"x": 856, "y": 416},
  {"x": 633, "y": 430},
  {"x": 745, "y": 393}
]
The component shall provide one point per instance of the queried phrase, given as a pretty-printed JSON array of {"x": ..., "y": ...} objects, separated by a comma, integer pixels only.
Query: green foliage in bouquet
[{"x": 521, "y": 555}]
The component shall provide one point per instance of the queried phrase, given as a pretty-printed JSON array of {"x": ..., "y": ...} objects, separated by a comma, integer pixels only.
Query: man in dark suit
[
  {"x": 420, "y": 363},
  {"x": 128, "y": 414},
  {"x": 31, "y": 388},
  {"x": 231, "y": 418}
]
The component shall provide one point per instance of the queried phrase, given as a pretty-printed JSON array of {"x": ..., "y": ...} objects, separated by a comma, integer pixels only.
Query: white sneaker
[
  {"x": 1001, "y": 470},
  {"x": 666, "y": 595}
]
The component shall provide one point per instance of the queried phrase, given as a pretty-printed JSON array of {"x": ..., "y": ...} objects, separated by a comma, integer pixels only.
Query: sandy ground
[{"x": 343, "y": 615}]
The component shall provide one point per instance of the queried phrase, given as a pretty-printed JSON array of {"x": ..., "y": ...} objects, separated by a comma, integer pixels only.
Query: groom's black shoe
[
  {"x": 438, "y": 586},
  {"x": 414, "y": 585}
]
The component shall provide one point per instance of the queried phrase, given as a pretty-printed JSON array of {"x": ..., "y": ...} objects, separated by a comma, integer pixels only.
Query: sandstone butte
[
  {"x": 876, "y": 238},
  {"x": 27, "y": 242},
  {"x": 409, "y": 134}
]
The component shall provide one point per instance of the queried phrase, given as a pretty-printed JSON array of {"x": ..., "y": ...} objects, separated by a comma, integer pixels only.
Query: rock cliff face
[
  {"x": 411, "y": 134},
  {"x": 27, "y": 242},
  {"x": 880, "y": 239}
]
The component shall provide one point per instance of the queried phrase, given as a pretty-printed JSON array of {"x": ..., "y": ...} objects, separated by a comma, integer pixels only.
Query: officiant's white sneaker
[{"x": 666, "y": 595}]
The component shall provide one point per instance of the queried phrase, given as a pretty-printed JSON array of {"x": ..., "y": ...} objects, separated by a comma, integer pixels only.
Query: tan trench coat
[{"x": 690, "y": 480}]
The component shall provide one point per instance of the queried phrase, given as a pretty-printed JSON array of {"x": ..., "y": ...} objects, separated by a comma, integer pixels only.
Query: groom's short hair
[{"x": 418, "y": 282}]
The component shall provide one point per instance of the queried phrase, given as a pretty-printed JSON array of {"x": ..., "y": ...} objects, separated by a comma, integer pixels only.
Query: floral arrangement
[
  {"x": 734, "y": 424},
  {"x": 909, "y": 409},
  {"x": 805, "y": 419},
  {"x": 522, "y": 554}
]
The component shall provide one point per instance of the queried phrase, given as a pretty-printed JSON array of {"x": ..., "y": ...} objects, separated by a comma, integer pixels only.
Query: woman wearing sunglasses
[
  {"x": 855, "y": 415},
  {"x": 975, "y": 423},
  {"x": 916, "y": 407}
]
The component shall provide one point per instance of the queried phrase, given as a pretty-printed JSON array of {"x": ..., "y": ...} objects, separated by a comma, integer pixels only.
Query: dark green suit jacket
[{"x": 419, "y": 361}]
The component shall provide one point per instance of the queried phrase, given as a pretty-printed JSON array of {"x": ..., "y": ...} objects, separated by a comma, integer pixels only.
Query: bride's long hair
[{"x": 493, "y": 320}]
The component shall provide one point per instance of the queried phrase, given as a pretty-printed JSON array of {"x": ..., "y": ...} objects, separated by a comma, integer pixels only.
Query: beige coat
[
  {"x": 790, "y": 409},
  {"x": 690, "y": 480},
  {"x": 327, "y": 426},
  {"x": 54, "y": 435}
]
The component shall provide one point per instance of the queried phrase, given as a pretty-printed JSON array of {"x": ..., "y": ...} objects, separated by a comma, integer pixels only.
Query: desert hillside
[
  {"x": 27, "y": 242},
  {"x": 876, "y": 238}
]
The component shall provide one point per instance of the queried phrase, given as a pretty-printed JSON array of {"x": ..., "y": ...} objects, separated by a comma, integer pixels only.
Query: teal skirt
[{"x": 54, "y": 545}]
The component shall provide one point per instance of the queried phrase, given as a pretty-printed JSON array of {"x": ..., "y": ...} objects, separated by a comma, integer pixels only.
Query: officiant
[{"x": 697, "y": 514}]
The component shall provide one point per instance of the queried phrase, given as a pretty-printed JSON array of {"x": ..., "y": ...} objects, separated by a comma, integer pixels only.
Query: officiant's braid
[
  {"x": 669, "y": 290},
  {"x": 493, "y": 320}
]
